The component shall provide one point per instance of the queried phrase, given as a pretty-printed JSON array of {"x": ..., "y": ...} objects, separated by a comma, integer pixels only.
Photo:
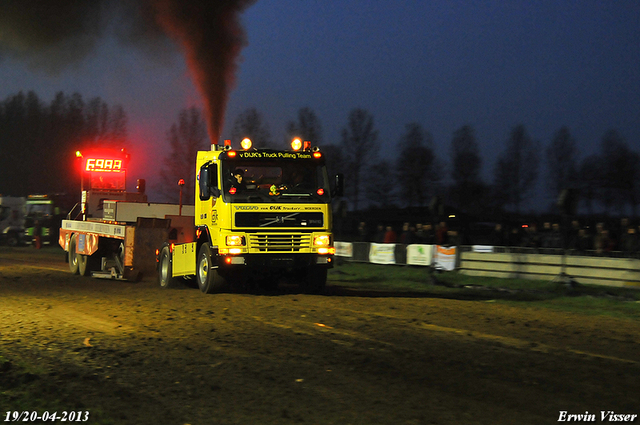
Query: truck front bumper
[{"x": 288, "y": 261}]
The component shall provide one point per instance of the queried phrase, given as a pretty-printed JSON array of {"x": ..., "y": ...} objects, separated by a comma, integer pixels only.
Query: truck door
[{"x": 208, "y": 196}]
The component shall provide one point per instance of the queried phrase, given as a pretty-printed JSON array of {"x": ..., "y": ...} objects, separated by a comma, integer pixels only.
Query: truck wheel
[
  {"x": 165, "y": 270},
  {"x": 209, "y": 280},
  {"x": 82, "y": 260},
  {"x": 73, "y": 256},
  {"x": 87, "y": 264},
  {"x": 314, "y": 281}
]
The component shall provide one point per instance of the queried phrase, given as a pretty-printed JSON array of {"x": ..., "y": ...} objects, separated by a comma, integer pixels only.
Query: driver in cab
[{"x": 237, "y": 180}]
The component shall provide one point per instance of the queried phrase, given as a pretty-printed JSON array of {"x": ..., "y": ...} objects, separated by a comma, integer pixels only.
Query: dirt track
[{"x": 152, "y": 356}]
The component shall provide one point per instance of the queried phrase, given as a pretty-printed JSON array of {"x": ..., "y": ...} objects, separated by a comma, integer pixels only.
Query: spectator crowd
[
  {"x": 420, "y": 233},
  {"x": 575, "y": 237}
]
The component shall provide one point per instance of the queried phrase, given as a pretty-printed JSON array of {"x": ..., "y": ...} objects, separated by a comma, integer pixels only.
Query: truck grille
[
  {"x": 280, "y": 243},
  {"x": 279, "y": 219}
]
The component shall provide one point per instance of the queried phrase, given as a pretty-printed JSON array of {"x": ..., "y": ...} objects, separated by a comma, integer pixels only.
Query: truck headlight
[
  {"x": 235, "y": 240},
  {"x": 322, "y": 241}
]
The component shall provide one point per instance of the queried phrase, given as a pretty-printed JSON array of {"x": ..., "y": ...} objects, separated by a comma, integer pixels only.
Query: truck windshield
[
  {"x": 297, "y": 181},
  {"x": 38, "y": 209}
]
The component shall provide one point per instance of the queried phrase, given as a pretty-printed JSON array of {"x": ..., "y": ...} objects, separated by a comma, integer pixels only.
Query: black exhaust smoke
[
  {"x": 211, "y": 35},
  {"x": 54, "y": 34},
  {"x": 50, "y": 34}
]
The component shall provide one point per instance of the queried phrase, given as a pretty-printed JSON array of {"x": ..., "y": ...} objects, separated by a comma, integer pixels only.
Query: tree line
[
  {"x": 608, "y": 180},
  {"x": 37, "y": 141}
]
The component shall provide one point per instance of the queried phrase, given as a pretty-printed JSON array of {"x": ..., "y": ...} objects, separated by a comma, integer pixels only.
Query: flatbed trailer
[
  {"x": 123, "y": 251},
  {"x": 115, "y": 233}
]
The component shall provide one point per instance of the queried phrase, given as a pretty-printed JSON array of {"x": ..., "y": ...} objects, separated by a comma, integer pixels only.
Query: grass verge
[{"x": 420, "y": 281}]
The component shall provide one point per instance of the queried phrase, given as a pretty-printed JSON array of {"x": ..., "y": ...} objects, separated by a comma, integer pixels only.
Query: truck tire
[
  {"x": 87, "y": 264},
  {"x": 165, "y": 270},
  {"x": 314, "y": 280},
  {"x": 83, "y": 267},
  {"x": 209, "y": 280},
  {"x": 73, "y": 255}
]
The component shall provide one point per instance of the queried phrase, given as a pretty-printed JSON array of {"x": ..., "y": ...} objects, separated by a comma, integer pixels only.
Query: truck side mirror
[
  {"x": 338, "y": 188},
  {"x": 203, "y": 183},
  {"x": 208, "y": 182}
]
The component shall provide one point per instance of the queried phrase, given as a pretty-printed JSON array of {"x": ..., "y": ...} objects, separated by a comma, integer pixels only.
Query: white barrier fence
[
  {"x": 440, "y": 257},
  {"x": 484, "y": 261}
]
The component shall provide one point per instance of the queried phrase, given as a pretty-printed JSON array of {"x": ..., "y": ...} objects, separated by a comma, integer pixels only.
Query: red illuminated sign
[{"x": 103, "y": 164}]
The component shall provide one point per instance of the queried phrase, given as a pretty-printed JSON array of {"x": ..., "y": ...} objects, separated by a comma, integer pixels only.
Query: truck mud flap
[{"x": 150, "y": 233}]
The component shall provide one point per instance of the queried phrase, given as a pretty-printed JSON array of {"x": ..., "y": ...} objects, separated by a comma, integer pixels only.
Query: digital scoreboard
[
  {"x": 103, "y": 164},
  {"x": 104, "y": 170}
]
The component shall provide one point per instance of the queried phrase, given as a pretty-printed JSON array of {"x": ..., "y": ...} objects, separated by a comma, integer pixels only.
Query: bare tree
[
  {"x": 634, "y": 198},
  {"x": 562, "y": 168},
  {"x": 590, "y": 180},
  {"x": 380, "y": 185},
  {"x": 307, "y": 127},
  {"x": 334, "y": 159},
  {"x": 517, "y": 168},
  {"x": 34, "y": 132},
  {"x": 632, "y": 181},
  {"x": 76, "y": 119},
  {"x": 620, "y": 169},
  {"x": 465, "y": 156},
  {"x": 417, "y": 168},
  {"x": 104, "y": 126},
  {"x": 34, "y": 142},
  {"x": 359, "y": 144},
  {"x": 468, "y": 188},
  {"x": 97, "y": 122},
  {"x": 118, "y": 122},
  {"x": 186, "y": 138},
  {"x": 250, "y": 124},
  {"x": 13, "y": 138}
]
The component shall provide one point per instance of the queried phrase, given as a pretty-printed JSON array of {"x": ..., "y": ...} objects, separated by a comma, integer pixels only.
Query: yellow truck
[{"x": 261, "y": 215}]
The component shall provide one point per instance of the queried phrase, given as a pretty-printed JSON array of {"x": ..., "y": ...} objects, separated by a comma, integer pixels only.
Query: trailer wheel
[
  {"x": 165, "y": 270},
  {"x": 83, "y": 269},
  {"x": 73, "y": 255},
  {"x": 209, "y": 280},
  {"x": 87, "y": 264}
]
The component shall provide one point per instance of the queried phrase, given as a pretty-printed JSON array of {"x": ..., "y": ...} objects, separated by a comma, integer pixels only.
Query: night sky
[{"x": 443, "y": 64}]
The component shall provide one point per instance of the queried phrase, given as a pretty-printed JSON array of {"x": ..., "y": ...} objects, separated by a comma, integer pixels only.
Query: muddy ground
[{"x": 138, "y": 354}]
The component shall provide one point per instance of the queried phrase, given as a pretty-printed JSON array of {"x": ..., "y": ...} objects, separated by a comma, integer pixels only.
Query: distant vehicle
[
  {"x": 12, "y": 220},
  {"x": 48, "y": 212}
]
